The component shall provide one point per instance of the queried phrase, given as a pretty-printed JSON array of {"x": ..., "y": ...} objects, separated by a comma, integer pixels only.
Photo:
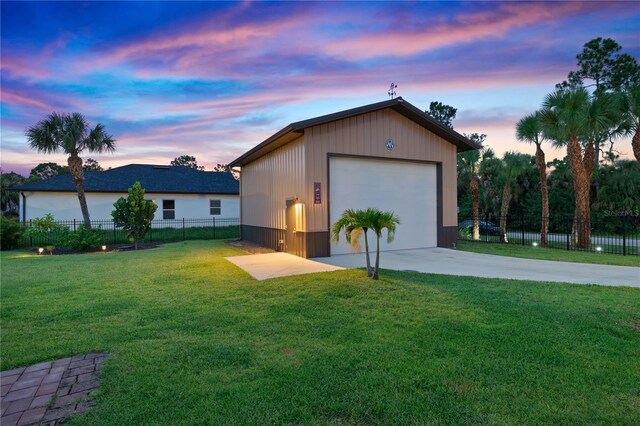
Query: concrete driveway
[
  {"x": 273, "y": 265},
  {"x": 455, "y": 262}
]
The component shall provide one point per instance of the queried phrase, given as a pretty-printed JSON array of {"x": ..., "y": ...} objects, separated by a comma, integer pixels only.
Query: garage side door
[{"x": 406, "y": 188}]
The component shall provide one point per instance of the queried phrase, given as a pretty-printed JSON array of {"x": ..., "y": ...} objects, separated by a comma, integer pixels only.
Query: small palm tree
[
  {"x": 529, "y": 130},
  {"x": 353, "y": 223},
  {"x": 470, "y": 170},
  {"x": 515, "y": 165},
  {"x": 379, "y": 221},
  {"x": 70, "y": 133}
]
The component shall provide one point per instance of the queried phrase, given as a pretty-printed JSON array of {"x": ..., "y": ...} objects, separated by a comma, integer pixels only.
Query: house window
[
  {"x": 215, "y": 207},
  {"x": 168, "y": 209}
]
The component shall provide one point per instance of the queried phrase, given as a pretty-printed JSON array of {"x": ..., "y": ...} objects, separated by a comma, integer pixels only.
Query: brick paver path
[{"x": 46, "y": 393}]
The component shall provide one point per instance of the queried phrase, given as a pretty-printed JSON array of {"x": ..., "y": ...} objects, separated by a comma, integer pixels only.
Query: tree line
[{"x": 596, "y": 106}]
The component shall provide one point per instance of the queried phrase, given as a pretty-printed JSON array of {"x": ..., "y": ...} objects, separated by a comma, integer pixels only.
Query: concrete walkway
[
  {"x": 48, "y": 392},
  {"x": 455, "y": 262},
  {"x": 273, "y": 265}
]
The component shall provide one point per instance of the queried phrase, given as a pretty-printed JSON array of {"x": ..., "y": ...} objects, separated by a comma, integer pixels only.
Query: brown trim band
[
  {"x": 447, "y": 236},
  {"x": 265, "y": 237},
  {"x": 306, "y": 244}
]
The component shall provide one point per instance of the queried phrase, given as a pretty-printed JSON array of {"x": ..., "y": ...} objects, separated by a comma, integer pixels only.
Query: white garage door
[{"x": 408, "y": 189}]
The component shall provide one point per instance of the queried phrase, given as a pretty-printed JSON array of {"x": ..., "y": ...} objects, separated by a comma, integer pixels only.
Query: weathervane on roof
[{"x": 392, "y": 90}]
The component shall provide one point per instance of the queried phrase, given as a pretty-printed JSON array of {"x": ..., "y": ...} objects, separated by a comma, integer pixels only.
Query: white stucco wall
[{"x": 65, "y": 205}]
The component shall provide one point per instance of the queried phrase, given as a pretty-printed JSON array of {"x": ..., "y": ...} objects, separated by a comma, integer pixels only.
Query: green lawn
[
  {"x": 195, "y": 340},
  {"x": 529, "y": 252}
]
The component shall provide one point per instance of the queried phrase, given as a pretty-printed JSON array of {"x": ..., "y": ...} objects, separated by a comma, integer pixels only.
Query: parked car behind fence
[
  {"x": 485, "y": 227},
  {"x": 610, "y": 234}
]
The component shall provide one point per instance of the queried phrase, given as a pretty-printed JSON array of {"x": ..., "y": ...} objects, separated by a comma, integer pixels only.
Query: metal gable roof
[
  {"x": 154, "y": 179},
  {"x": 294, "y": 130}
]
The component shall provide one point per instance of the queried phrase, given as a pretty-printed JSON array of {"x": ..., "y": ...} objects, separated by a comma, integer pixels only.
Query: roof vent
[{"x": 162, "y": 167}]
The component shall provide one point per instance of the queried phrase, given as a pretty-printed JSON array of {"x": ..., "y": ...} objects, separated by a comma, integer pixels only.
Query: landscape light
[
  {"x": 598, "y": 249},
  {"x": 104, "y": 248},
  {"x": 535, "y": 244},
  {"x": 40, "y": 250}
]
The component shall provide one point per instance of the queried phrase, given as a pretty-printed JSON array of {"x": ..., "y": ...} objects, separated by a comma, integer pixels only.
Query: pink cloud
[
  {"x": 23, "y": 67},
  {"x": 465, "y": 28},
  {"x": 29, "y": 98},
  {"x": 20, "y": 100},
  {"x": 34, "y": 66},
  {"x": 206, "y": 39}
]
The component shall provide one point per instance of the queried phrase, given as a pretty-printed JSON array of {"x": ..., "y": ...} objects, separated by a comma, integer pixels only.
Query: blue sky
[{"x": 212, "y": 79}]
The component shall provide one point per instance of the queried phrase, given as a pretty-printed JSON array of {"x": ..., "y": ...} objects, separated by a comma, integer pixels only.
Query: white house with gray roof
[{"x": 180, "y": 192}]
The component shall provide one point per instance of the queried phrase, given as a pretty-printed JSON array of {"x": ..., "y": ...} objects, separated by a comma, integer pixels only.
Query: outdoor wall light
[
  {"x": 40, "y": 250},
  {"x": 598, "y": 249}
]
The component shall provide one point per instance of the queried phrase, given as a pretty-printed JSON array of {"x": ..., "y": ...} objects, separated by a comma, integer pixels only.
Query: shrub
[
  {"x": 134, "y": 214},
  {"x": 84, "y": 239},
  {"x": 46, "y": 231},
  {"x": 10, "y": 233},
  {"x": 464, "y": 233}
]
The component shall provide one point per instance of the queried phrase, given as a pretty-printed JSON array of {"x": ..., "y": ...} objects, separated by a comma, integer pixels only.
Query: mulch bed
[
  {"x": 110, "y": 248},
  {"x": 248, "y": 247}
]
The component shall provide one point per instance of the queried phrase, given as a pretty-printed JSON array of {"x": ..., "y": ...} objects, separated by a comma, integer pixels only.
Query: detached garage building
[{"x": 388, "y": 155}]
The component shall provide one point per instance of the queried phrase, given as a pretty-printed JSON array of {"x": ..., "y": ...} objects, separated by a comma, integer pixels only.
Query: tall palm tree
[
  {"x": 353, "y": 223},
  {"x": 489, "y": 173},
  {"x": 71, "y": 134},
  {"x": 632, "y": 109},
  {"x": 469, "y": 165},
  {"x": 515, "y": 165},
  {"x": 604, "y": 120},
  {"x": 564, "y": 117},
  {"x": 529, "y": 130},
  {"x": 379, "y": 221}
]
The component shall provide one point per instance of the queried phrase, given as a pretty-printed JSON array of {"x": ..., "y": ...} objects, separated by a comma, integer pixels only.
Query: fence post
[
  {"x": 522, "y": 223},
  {"x": 624, "y": 237},
  {"x": 30, "y": 238},
  {"x": 214, "y": 227},
  {"x": 568, "y": 233},
  {"x": 114, "y": 231},
  {"x": 486, "y": 231},
  {"x": 183, "y": 229},
  {"x": 74, "y": 225}
]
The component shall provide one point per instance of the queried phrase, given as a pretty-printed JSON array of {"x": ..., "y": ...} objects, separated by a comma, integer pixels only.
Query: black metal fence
[
  {"x": 610, "y": 234},
  {"x": 161, "y": 231}
]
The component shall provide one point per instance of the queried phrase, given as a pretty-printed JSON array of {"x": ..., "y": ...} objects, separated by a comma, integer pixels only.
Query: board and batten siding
[
  {"x": 365, "y": 135},
  {"x": 268, "y": 182}
]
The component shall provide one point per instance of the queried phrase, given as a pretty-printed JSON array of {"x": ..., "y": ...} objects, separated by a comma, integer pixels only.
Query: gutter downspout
[
  {"x": 24, "y": 206},
  {"x": 240, "y": 197}
]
